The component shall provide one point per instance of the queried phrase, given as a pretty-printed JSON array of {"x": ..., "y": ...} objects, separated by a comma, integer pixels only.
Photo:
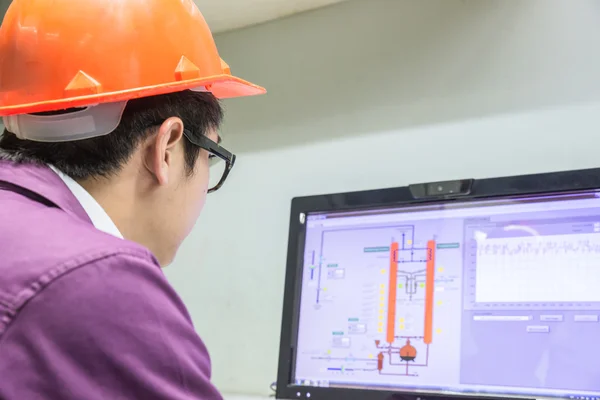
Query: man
[{"x": 111, "y": 117}]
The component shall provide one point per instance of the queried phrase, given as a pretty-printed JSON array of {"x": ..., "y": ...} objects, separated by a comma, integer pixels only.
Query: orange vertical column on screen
[
  {"x": 393, "y": 285},
  {"x": 429, "y": 290}
]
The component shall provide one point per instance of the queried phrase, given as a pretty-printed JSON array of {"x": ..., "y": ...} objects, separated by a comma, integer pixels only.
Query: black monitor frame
[{"x": 466, "y": 190}]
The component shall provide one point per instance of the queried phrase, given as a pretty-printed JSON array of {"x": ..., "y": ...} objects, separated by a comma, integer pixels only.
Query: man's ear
[{"x": 159, "y": 155}]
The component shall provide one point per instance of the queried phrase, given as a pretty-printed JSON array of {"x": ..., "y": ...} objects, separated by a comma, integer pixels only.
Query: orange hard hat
[{"x": 60, "y": 54}]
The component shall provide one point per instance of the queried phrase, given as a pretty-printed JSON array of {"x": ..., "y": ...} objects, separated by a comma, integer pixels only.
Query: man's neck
[{"x": 131, "y": 213}]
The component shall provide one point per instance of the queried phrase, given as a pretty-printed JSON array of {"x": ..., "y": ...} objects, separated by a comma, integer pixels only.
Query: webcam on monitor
[{"x": 447, "y": 189}]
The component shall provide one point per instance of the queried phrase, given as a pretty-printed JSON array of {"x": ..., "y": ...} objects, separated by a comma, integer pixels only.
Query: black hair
[{"x": 105, "y": 155}]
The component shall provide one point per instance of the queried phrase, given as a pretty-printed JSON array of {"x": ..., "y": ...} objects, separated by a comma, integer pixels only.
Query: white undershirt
[{"x": 95, "y": 212}]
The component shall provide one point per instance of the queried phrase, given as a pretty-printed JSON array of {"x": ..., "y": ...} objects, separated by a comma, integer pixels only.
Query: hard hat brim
[{"x": 221, "y": 86}]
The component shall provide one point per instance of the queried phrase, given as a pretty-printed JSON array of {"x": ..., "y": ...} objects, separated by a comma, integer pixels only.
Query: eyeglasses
[{"x": 221, "y": 161}]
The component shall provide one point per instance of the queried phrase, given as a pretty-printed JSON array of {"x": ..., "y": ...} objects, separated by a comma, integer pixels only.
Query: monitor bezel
[{"x": 489, "y": 188}]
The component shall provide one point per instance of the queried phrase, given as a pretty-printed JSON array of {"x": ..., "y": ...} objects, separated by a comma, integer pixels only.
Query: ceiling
[{"x": 224, "y": 15}]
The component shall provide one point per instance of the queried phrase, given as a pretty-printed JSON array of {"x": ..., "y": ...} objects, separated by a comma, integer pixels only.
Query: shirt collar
[
  {"x": 94, "y": 210},
  {"x": 41, "y": 184}
]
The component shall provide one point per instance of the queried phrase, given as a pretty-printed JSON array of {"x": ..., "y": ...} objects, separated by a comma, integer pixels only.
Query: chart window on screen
[{"x": 494, "y": 296}]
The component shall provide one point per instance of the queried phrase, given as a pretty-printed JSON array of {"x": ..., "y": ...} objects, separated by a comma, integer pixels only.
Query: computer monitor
[{"x": 467, "y": 289}]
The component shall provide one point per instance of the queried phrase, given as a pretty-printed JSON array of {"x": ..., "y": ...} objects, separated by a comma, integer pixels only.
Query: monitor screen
[{"x": 497, "y": 297}]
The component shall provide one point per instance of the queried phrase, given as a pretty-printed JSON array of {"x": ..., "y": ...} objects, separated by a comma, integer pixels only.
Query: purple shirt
[{"x": 83, "y": 314}]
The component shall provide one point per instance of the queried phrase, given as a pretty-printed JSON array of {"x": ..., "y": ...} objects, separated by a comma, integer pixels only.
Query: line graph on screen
[{"x": 533, "y": 269}]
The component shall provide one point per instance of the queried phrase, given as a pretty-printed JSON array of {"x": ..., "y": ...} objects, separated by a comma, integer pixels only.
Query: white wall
[{"x": 378, "y": 93}]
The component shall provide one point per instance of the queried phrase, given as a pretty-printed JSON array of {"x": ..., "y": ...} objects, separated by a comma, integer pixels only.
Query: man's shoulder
[
  {"x": 46, "y": 245},
  {"x": 21, "y": 284},
  {"x": 112, "y": 326}
]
